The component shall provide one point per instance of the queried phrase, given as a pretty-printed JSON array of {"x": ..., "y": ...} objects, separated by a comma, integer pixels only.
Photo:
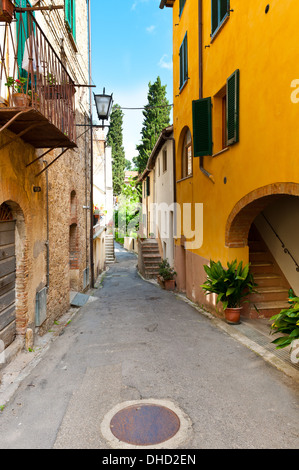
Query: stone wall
[{"x": 43, "y": 249}]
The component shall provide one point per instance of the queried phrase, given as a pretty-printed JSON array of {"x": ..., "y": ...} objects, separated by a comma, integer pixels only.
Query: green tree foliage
[
  {"x": 115, "y": 141},
  {"x": 127, "y": 215},
  {"x": 156, "y": 117}
]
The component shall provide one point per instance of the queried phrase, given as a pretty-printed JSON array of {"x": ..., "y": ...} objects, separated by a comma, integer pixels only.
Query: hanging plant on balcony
[
  {"x": 18, "y": 88},
  {"x": 6, "y": 11}
]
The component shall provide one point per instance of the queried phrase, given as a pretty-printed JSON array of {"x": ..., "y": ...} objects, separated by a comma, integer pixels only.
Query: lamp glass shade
[{"x": 103, "y": 105}]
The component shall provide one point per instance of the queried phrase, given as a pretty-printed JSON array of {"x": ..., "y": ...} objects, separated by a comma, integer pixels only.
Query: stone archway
[{"x": 249, "y": 207}]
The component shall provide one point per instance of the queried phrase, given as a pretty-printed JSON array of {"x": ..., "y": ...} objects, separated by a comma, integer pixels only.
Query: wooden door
[{"x": 7, "y": 276}]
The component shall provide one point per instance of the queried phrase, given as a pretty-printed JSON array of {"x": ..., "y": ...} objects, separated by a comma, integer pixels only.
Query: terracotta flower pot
[
  {"x": 169, "y": 284},
  {"x": 232, "y": 315},
  {"x": 20, "y": 100},
  {"x": 6, "y": 12}
]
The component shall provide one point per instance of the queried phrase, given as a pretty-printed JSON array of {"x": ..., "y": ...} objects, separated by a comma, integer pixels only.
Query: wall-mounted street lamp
[{"x": 104, "y": 105}]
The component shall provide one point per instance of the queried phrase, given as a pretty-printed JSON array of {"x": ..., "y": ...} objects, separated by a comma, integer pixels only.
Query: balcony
[{"x": 37, "y": 100}]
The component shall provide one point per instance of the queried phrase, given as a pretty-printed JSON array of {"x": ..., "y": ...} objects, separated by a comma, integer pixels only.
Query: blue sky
[{"x": 131, "y": 46}]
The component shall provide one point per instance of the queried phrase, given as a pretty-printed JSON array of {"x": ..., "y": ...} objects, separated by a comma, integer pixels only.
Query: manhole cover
[{"x": 144, "y": 424}]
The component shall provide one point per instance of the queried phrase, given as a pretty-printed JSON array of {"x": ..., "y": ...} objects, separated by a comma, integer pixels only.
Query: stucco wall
[{"x": 69, "y": 175}]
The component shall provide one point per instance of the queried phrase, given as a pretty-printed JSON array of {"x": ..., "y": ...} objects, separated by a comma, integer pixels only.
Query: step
[
  {"x": 150, "y": 248},
  {"x": 152, "y": 255},
  {"x": 260, "y": 255},
  {"x": 153, "y": 274},
  {"x": 262, "y": 267},
  {"x": 269, "y": 280},
  {"x": 270, "y": 293},
  {"x": 268, "y": 309},
  {"x": 256, "y": 245}
]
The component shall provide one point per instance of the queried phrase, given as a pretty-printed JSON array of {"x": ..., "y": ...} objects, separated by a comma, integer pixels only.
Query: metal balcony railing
[{"x": 36, "y": 92}]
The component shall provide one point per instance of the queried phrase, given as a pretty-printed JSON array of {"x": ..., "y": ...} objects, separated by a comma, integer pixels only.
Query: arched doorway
[
  {"x": 7, "y": 276},
  {"x": 265, "y": 221}
]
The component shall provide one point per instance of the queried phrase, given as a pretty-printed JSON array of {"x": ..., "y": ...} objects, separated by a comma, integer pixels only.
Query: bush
[
  {"x": 231, "y": 285},
  {"x": 287, "y": 323},
  {"x": 166, "y": 271}
]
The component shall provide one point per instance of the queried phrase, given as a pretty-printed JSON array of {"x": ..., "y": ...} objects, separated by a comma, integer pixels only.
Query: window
[
  {"x": 220, "y": 11},
  {"x": 70, "y": 16},
  {"x": 164, "y": 160},
  {"x": 184, "y": 62},
  {"x": 187, "y": 155},
  {"x": 202, "y": 118},
  {"x": 182, "y": 4}
]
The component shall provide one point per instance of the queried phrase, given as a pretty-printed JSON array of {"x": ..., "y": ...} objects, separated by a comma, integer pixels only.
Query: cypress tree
[
  {"x": 115, "y": 141},
  {"x": 156, "y": 117}
]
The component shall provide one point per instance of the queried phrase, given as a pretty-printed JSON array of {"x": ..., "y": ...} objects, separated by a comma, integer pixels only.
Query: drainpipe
[
  {"x": 201, "y": 159},
  {"x": 91, "y": 153},
  {"x": 47, "y": 241}
]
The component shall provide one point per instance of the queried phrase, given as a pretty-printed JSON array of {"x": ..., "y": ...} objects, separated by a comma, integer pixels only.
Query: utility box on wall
[{"x": 41, "y": 307}]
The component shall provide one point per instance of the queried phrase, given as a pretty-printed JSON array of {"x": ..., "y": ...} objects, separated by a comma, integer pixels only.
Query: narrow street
[{"x": 135, "y": 341}]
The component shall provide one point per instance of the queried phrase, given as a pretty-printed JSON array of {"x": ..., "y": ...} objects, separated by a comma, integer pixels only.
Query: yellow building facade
[{"x": 236, "y": 113}]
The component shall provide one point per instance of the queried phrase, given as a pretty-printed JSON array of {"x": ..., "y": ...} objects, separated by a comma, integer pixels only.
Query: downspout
[
  {"x": 47, "y": 241},
  {"x": 91, "y": 153},
  {"x": 201, "y": 159}
]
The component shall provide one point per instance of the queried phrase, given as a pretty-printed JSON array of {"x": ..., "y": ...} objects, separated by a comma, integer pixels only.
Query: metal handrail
[
  {"x": 48, "y": 87},
  {"x": 285, "y": 249}
]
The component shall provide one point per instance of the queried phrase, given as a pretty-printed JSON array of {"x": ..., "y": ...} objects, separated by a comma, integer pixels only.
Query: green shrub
[
  {"x": 231, "y": 285},
  {"x": 287, "y": 323},
  {"x": 166, "y": 271}
]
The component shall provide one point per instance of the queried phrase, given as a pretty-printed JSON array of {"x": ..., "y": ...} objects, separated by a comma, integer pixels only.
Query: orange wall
[{"x": 264, "y": 48}]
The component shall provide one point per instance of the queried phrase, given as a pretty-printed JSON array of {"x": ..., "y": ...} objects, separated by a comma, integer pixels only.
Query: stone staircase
[
  {"x": 109, "y": 249},
  {"x": 272, "y": 287},
  {"x": 149, "y": 259}
]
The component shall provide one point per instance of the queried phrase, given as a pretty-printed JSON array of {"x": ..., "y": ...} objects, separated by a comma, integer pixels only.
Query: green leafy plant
[
  {"x": 166, "y": 271},
  {"x": 18, "y": 85},
  {"x": 287, "y": 323},
  {"x": 231, "y": 285}
]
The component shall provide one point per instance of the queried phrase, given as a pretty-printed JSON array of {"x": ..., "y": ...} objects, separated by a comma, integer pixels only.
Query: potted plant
[
  {"x": 166, "y": 275},
  {"x": 287, "y": 324},
  {"x": 231, "y": 286},
  {"x": 6, "y": 11},
  {"x": 96, "y": 214},
  {"x": 19, "y": 95}
]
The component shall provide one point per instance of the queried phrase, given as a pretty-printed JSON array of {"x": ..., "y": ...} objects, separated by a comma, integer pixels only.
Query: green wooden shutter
[
  {"x": 202, "y": 127},
  {"x": 184, "y": 61},
  {"x": 182, "y": 4},
  {"x": 185, "y": 58},
  {"x": 224, "y": 9},
  {"x": 232, "y": 108},
  {"x": 70, "y": 16},
  {"x": 181, "y": 65},
  {"x": 24, "y": 34},
  {"x": 214, "y": 14}
]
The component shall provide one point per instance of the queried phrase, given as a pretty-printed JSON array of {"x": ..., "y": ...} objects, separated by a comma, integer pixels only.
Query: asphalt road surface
[{"x": 135, "y": 341}]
